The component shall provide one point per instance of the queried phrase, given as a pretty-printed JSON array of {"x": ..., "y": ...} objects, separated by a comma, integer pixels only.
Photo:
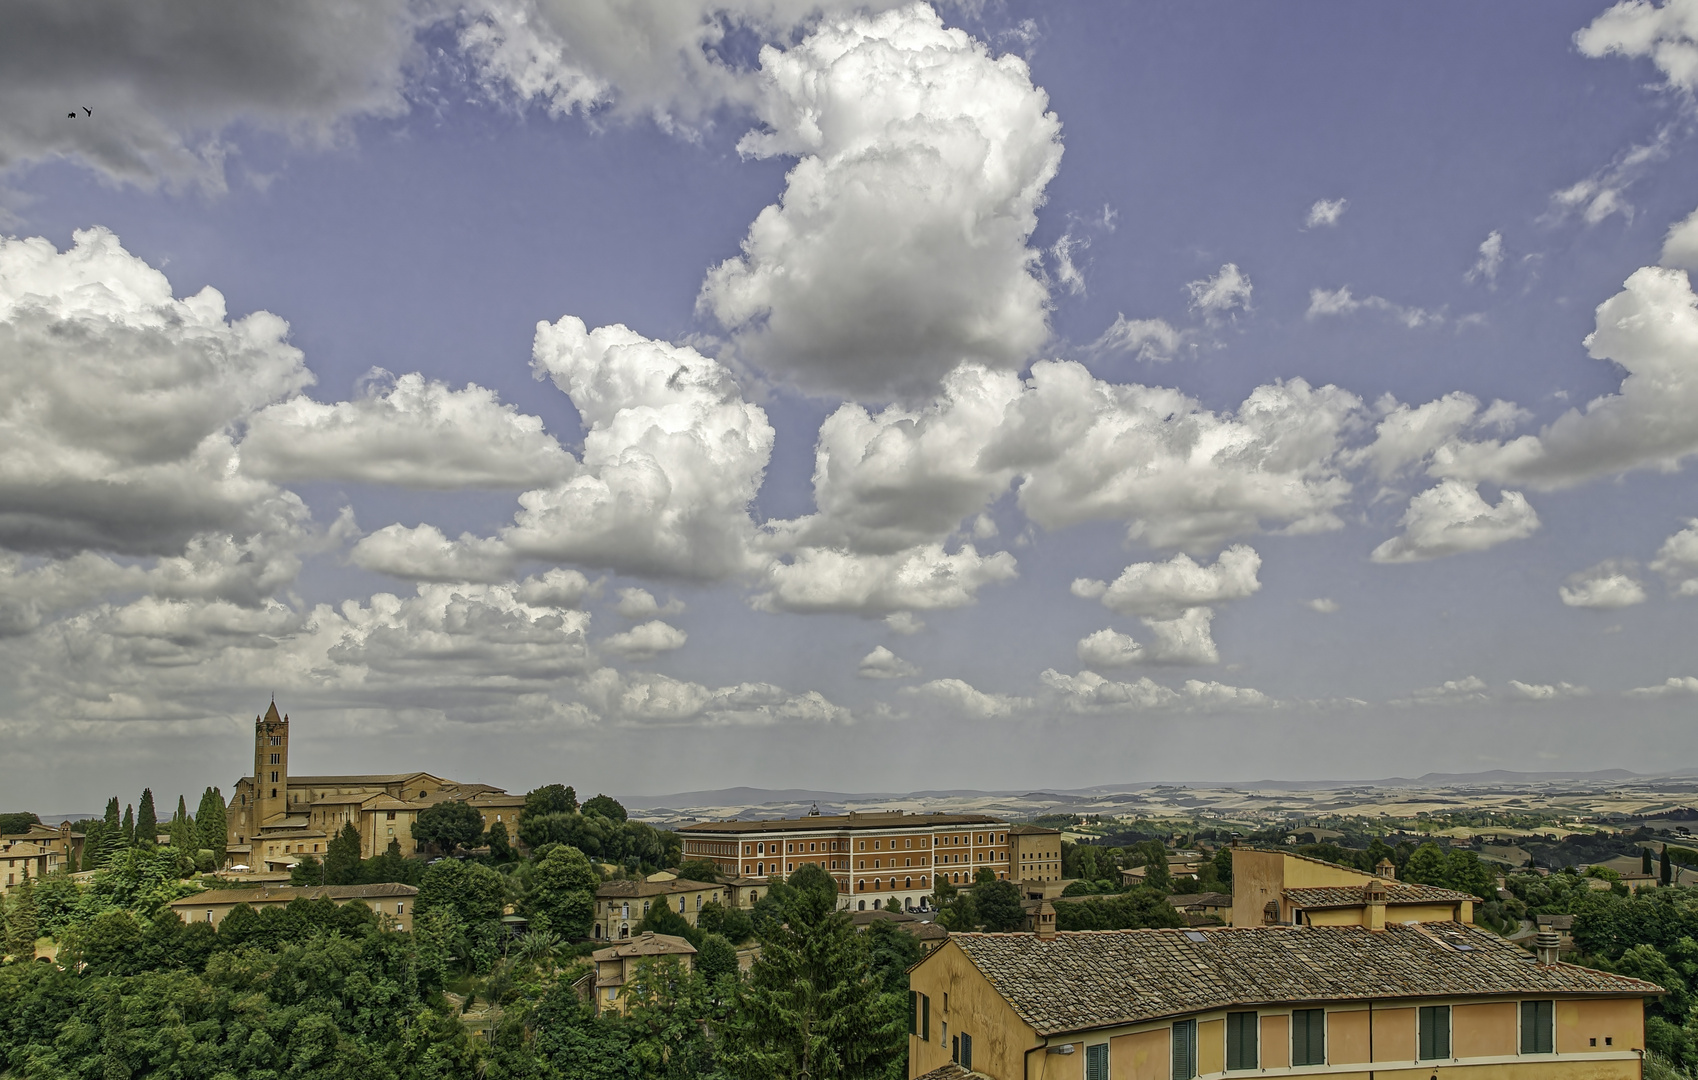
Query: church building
[{"x": 275, "y": 819}]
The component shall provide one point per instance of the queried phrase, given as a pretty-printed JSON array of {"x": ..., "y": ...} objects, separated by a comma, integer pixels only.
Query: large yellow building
[
  {"x": 1273, "y": 887},
  {"x": 1404, "y": 1002},
  {"x": 274, "y": 820},
  {"x": 873, "y": 856}
]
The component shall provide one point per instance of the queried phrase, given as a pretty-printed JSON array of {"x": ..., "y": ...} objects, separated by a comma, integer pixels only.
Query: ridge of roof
[
  {"x": 1080, "y": 980},
  {"x": 875, "y": 819},
  {"x": 1397, "y": 892},
  {"x": 284, "y": 893}
]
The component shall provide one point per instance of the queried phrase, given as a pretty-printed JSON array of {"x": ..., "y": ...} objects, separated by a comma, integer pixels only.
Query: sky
[{"x": 663, "y": 395}]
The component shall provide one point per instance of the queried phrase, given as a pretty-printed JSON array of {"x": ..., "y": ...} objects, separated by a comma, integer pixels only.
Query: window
[
  {"x": 1434, "y": 1042},
  {"x": 276, "y": 759},
  {"x": 1184, "y": 1050},
  {"x": 1096, "y": 1062},
  {"x": 1241, "y": 1040},
  {"x": 391, "y": 816},
  {"x": 1538, "y": 1034},
  {"x": 400, "y": 908},
  {"x": 967, "y": 1054},
  {"x": 1309, "y": 1037},
  {"x": 875, "y": 845}
]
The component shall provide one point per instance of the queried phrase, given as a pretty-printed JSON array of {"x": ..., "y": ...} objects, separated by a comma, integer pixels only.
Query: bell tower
[{"x": 271, "y": 766}]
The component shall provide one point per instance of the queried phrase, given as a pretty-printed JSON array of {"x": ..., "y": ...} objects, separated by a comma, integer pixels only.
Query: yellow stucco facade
[
  {"x": 1262, "y": 884},
  {"x": 1596, "y": 1038}
]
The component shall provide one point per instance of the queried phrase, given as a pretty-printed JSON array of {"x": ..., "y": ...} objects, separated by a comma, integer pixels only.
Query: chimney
[
  {"x": 1545, "y": 946},
  {"x": 1374, "y": 894},
  {"x": 1046, "y": 921},
  {"x": 1386, "y": 870}
]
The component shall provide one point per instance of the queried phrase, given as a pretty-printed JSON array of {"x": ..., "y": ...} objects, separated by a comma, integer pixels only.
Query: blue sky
[{"x": 987, "y": 396}]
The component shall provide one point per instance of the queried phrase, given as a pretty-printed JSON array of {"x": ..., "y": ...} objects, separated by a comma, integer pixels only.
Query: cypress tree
[
  {"x": 210, "y": 824},
  {"x": 129, "y": 830},
  {"x": 21, "y": 921},
  {"x": 147, "y": 821},
  {"x": 1665, "y": 872},
  {"x": 342, "y": 857},
  {"x": 1644, "y": 860}
]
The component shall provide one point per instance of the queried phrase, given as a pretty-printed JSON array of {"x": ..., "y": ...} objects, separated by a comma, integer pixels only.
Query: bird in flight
[
  {"x": 88, "y": 110},
  {"x": 70, "y": 116}
]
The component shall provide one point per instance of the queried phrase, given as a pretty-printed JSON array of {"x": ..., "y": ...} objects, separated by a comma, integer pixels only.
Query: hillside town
[{"x": 1063, "y": 946}]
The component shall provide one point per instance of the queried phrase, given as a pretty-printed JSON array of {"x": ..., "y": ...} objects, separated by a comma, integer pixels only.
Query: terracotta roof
[
  {"x": 285, "y": 893},
  {"x": 1080, "y": 980},
  {"x": 619, "y": 890},
  {"x": 1397, "y": 892},
  {"x": 372, "y": 780},
  {"x": 1556, "y": 922},
  {"x": 879, "y": 819},
  {"x": 648, "y": 944}
]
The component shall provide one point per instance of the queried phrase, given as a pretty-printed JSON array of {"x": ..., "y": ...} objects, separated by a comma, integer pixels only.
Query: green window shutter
[
  {"x": 1241, "y": 1040},
  {"x": 967, "y": 1052},
  {"x": 913, "y": 1012},
  {"x": 1434, "y": 1042},
  {"x": 1309, "y": 1037},
  {"x": 1537, "y": 1027},
  {"x": 925, "y": 1018},
  {"x": 1184, "y": 1050},
  {"x": 1096, "y": 1062}
]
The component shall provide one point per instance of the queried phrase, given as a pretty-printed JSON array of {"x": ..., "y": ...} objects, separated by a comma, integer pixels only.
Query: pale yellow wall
[
  {"x": 1394, "y": 1034},
  {"x": 375, "y": 832},
  {"x": 1349, "y": 916},
  {"x": 1578, "y": 1022},
  {"x": 1000, "y": 1037},
  {"x": 1211, "y": 1044},
  {"x": 1143, "y": 1055},
  {"x": 1401, "y": 913},
  {"x": 385, "y": 905},
  {"x": 1347, "y": 1036},
  {"x": 1489, "y": 1030},
  {"x": 1276, "y": 1042},
  {"x": 1260, "y": 876}
]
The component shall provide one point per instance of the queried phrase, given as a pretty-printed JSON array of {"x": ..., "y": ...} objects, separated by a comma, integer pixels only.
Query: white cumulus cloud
[
  {"x": 1453, "y": 519},
  {"x": 636, "y": 603},
  {"x": 1677, "y": 560},
  {"x": 1546, "y": 691},
  {"x": 1324, "y": 303},
  {"x": 964, "y": 698},
  {"x": 1610, "y": 584},
  {"x": 1229, "y": 288},
  {"x": 1167, "y": 589},
  {"x": 645, "y": 641},
  {"x": 881, "y": 663},
  {"x": 1676, "y": 686},
  {"x": 413, "y": 433},
  {"x": 899, "y": 247},
  {"x": 1152, "y": 340},
  {"x": 1325, "y": 212},
  {"x": 1326, "y": 605},
  {"x": 1486, "y": 267},
  {"x": 1088, "y": 692},
  {"x": 1108, "y": 648}
]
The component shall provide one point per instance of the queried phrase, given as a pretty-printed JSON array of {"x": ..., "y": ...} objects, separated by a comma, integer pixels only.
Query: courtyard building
[
  {"x": 873, "y": 856},
  {"x": 391, "y": 900}
]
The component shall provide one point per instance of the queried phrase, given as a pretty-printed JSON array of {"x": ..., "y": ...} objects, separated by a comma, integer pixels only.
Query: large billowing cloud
[
  {"x": 165, "y": 79},
  {"x": 1649, "y": 330},
  {"x": 412, "y": 433},
  {"x": 119, "y": 404},
  {"x": 899, "y": 248},
  {"x": 1168, "y": 589},
  {"x": 1677, "y": 560},
  {"x": 1667, "y": 33},
  {"x": 1452, "y": 519},
  {"x": 1612, "y": 583},
  {"x": 662, "y": 701},
  {"x": 673, "y": 456}
]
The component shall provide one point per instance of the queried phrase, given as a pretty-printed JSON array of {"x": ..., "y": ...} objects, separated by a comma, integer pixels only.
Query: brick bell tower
[{"x": 271, "y": 766}]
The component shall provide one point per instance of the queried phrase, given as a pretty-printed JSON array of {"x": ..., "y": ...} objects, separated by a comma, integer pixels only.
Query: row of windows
[
  {"x": 1309, "y": 1039},
  {"x": 775, "y": 847}
]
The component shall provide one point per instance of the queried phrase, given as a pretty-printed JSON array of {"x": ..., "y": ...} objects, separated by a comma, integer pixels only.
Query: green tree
[
  {"x": 733, "y": 924},
  {"x": 699, "y": 870},
  {"x": 663, "y": 919},
  {"x": 308, "y": 871},
  {"x": 1645, "y": 860},
  {"x": 211, "y": 826},
  {"x": 550, "y": 799},
  {"x": 1132, "y": 910},
  {"x": 111, "y": 834},
  {"x": 562, "y": 896},
  {"x": 449, "y": 825},
  {"x": 891, "y": 951},
  {"x": 147, "y": 821},
  {"x": 606, "y": 806},
  {"x": 811, "y": 1006},
  {"x": 999, "y": 906},
  {"x": 1156, "y": 875},
  {"x": 11, "y": 824},
  {"x": 500, "y": 847},
  {"x": 23, "y": 924},
  {"x": 668, "y": 1013},
  {"x": 716, "y": 957},
  {"x": 1665, "y": 871},
  {"x": 129, "y": 832},
  {"x": 392, "y": 866},
  {"x": 342, "y": 857},
  {"x": 473, "y": 892}
]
